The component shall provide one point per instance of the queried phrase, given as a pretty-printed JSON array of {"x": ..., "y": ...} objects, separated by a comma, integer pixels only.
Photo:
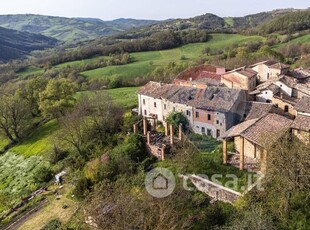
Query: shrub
[
  {"x": 82, "y": 188},
  {"x": 52, "y": 225},
  {"x": 43, "y": 175}
]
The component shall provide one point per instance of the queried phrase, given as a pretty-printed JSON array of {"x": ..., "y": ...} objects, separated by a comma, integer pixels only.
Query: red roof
[{"x": 201, "y": 72}]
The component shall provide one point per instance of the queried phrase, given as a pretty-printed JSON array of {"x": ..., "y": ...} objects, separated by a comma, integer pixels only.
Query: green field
[
  {"x": 40, "y": 142},
  {"x": 142, "y": 61},
  {"x": 141, "y": 65},
  {"x": 124, "y": 97},
  {"x": 31, "y": 70}
]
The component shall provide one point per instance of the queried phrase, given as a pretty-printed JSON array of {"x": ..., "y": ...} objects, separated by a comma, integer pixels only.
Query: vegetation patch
[{"x": 39, "y": 142}]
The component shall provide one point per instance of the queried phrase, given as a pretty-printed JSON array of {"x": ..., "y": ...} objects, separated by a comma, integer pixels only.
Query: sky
[{"x": 145, "y": 9}]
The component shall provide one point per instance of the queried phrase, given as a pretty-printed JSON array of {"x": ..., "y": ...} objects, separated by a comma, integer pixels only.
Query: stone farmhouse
[{"x": 210, "y": 111}]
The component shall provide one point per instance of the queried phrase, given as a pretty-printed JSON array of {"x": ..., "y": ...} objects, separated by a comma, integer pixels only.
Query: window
[
  {"x": 268, "y": 101},
  {"x": 217, "y": 122},
  {"x": 197, "y": 114},
  {"x": 286, "y": 108},
  {"x": 173, "y": 109},
  {"x": 209, "y": 117},
  {"x": 154, "y": 104},
  {"x": 188, "y": 113},
  {"x": 203, "y": 129},
  {"x": 267, "y": 75},
  {"x": 218, "y": 133},
  {"x": 209, "y": 132},
  {"x": 165, "y": 106},
  {"x": 143, "y": 101},
  {"x": 145, "y": 112}
]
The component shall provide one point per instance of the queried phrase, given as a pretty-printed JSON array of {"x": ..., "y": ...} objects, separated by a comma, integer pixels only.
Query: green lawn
[
  {"x": 40, "y": 142},
  {"x": 124, "y": 97}
]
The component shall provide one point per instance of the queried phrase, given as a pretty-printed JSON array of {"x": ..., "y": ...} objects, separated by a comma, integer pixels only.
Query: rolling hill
[
  {"x": 15, "y": 44},
  {"x": 68, "y": 29},
  {"x": 213, "y": 23}
]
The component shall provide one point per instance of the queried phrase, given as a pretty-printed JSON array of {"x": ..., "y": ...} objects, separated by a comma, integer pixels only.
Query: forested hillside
[
  {"x": 289, "y": 23},
  {"x": 15, "y": 44},
  {"x": 67, "y": 29}
]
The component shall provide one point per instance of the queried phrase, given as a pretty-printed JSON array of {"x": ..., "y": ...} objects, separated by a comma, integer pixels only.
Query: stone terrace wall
[{"x": 214, "y": 190}]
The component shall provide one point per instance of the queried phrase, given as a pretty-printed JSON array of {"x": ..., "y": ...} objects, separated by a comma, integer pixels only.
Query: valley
[{"x": 105, "y": 102}]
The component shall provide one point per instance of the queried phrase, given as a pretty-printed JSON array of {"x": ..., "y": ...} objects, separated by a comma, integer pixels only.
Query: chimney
[{"x": 281, "y": 95}]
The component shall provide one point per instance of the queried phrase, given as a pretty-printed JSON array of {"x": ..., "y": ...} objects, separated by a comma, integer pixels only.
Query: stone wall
[{"x": 214, "y": 190}]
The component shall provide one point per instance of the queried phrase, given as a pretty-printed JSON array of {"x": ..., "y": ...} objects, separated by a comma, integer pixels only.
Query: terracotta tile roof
[
  {"x": 263, "y": 131},
  {"x": 211, "y": 98},
  {"x": 238, "y": 129},
  {"x": 287, "y": 80},
  {"x": 257, "y": 110},
  {"x": 267, "y": 129},
  {"x": 302, "y": 88},
  {"x": 302, "y": 123},
  {"x": 200, "y": 72},
  {"x": 269, "y": 62},
  {"x": 303, "y": 105},
  {"x": 217, "y": 98},
  {"x": 248, "y": 72}
]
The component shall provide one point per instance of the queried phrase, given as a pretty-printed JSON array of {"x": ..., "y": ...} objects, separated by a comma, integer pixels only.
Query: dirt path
[{"x": 23, "y": 218}]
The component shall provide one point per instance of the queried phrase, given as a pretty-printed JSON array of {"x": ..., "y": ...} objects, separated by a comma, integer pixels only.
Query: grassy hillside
[
  {"x": 141, "y": 65},
  {"x": 15, "y": 44},
  {"x": 40, "y": 142},
  {"x": 124, "y": 97},
  {"x": 67, "y": 29}
]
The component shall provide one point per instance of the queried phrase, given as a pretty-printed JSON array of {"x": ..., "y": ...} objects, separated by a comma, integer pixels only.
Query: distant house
[
  {"x": 301, "y": 90},
  {"x": 253, "y": 137},
  {"x": 242, "y": 78},
  {"x": 279, "y": 92},
  {"x": 209, "y": 111},
  {"x": 200, "y": 76},
  {"x": 301, "y": 125},
  {"x": 269, "y": 69}
]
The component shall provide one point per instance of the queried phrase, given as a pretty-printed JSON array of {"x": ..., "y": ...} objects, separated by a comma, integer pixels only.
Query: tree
[
  {"x": 15, "y": 116},
  {"x": 57, "y": 97},
  {"x": 177, "y": 118},
  {"x": 31, "y": 93},
  {"x": 76, "y": 126}
]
